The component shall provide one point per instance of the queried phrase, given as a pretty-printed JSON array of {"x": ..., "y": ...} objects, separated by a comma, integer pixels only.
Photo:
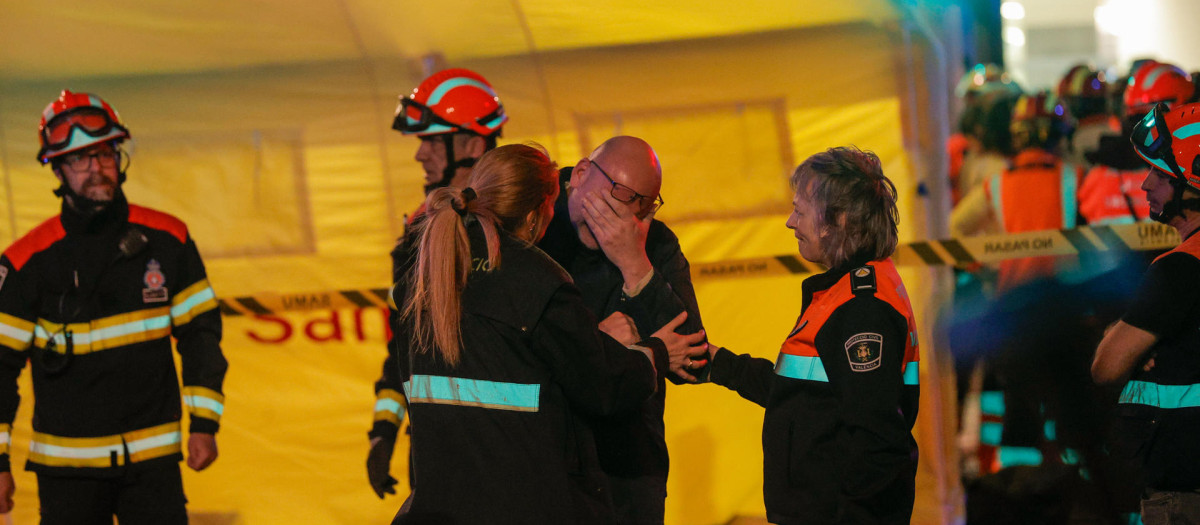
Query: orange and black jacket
[
  {"x": 93, "y": 303},
  {"x": 841, "y": 401}
]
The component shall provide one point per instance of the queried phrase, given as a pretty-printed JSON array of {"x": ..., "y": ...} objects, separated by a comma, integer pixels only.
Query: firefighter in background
[
  {"x": 1010, "y": 439},
  {"x": 1038, "y": 193},
  {"x": 91, "y": 299},
  {"x": 1151, "y": 351},
  {"x": 1111, "y": 192},
  {"x": 1083, "y": 91},
  {"x": 972, "y": 149},
  {"x": 458, "y": 117}
]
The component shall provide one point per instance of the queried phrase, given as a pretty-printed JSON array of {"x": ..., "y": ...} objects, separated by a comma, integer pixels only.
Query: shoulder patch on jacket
[
  {"x": 865, "y": 351},
  {"x": 159, "y": 221},
  {"x": 38, "y": 239},
  {"x": 862, "y": 280}
]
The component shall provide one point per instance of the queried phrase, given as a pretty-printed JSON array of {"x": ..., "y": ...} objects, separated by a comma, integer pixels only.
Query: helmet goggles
[
  {"x": 415, "y": 117},
  {"x": 93, "y": 121},
  {"x": 1152, "y": 140}
]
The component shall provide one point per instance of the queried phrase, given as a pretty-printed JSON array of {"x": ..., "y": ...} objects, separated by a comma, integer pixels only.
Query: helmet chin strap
[
  {"x": 452, "y": 165},
  {"x": 1177, "y": 204}
]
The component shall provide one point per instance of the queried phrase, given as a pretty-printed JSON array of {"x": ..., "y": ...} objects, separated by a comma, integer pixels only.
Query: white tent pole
[
  {"x": 8, "y": 189},
  {"x": 377, "y": 109},
  {"x": 928, "y": 132},
  {"x": 541, "y": 76}
]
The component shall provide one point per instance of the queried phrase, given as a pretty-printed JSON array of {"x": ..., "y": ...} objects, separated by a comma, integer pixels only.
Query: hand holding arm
[
  {"x": 685, "y": 351},
  {"x": 620, "y": 327}
]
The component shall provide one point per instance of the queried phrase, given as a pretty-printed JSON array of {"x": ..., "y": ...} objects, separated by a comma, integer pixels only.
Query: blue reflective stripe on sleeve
[
  {"x": 1016, "y": 456},
  {"x": 912, "y": 373},
  {"x": 808, "y": 368},
  {"x": 388, "y": 405},
  {"x": 991, "y": 402},
  {"x": 1050, "y": 430},
  {"x": 204, "y": 402},
  {"x": 1162, "y": 396},
  {"x": 472, "y": 392},
  {"x": 195, "y": 300},
  {"x": 990, "y": 432}
]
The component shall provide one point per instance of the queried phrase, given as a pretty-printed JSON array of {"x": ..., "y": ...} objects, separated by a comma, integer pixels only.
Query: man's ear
[
  {"x": 579, "y": 172},
  {"x": 476, "y": 146}
]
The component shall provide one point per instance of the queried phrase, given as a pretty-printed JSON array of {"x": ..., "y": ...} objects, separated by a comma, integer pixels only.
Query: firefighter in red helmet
[
  {"x": 92, "y": 299},
  {"x": 1152, "y": 349}
]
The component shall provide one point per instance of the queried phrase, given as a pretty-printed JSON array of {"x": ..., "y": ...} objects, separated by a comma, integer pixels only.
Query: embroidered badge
[
  {"x": 865, "y": 351},
  {"x": 155, "y": 290},
  {"x": 862, "y": 272}
]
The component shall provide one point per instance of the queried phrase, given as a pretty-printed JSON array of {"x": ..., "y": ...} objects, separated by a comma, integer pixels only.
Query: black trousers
[{"x": 146, "y": 495}]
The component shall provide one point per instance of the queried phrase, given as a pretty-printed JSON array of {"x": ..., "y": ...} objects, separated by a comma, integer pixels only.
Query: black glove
[{"x": 379, "y": 463}]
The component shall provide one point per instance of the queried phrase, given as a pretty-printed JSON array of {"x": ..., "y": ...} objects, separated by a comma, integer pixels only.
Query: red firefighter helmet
[
  {"x": 1170, "y": 140},
  {"x": 451, "y": 101},
  {"x": 75, "y": 121},
  {"x": 1157, "y": 82}
]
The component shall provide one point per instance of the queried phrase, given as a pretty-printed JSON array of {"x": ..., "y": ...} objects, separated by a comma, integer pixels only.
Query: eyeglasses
[
  {"x": 1156, "y": 146},
  {"x": 626, "y": 194},
  {"x": 82, "y": 160}
]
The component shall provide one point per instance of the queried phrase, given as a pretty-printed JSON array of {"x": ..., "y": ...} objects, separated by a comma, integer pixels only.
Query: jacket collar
[
  {"x": 110, "y": 219},
  {"x": 825, "y": 281}
]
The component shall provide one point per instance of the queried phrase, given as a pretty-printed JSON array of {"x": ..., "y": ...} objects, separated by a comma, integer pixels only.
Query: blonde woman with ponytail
[{"x": 501, "y": 360}]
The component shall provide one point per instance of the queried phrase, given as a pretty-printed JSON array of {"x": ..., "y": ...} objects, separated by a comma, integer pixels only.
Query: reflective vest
[
  {"x": 1110, "y": 196},
  {"x": 1039, "y": 193}
]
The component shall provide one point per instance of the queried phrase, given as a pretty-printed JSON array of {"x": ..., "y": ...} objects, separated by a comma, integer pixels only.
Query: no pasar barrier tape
[{"x": 983, "y": 249}]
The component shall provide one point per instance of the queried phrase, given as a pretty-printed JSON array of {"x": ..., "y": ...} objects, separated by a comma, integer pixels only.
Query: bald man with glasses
[{"x": 634, "y": 277}]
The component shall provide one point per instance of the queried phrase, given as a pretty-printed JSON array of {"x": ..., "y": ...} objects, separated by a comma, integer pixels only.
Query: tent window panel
[
  {"x": 720, "y": 161},
  {"x": 239, "y": 194}
]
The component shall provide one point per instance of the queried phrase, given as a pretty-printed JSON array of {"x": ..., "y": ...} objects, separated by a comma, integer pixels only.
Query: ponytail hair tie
[{"x": 467, "y": 196}]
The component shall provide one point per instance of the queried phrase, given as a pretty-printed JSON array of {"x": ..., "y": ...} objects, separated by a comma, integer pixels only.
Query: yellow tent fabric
[{"x": 266, "y": 128}]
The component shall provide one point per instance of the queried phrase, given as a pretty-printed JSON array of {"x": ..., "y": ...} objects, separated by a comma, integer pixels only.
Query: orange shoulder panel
[
  {"x": 38, "y": 239},
  {"x": 159, "y": 221}
]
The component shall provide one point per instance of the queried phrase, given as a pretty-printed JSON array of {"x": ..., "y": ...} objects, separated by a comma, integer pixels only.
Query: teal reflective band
[
  {"x": 808, "y": 368},
  {"x": 991, "y": 402},
  {"x": 1050, "y": 430},
  {"x": 389, "y": 405},
  {"x": 1070, "y": 456},
  {"x": 990, "y": 433},
  {"x": 1018, "y": 456},
  {"x": 997, "y": 200},
  {"x": 1161, "y": 396},
  {"x": 195, "y": 300},
  {"x": 204, "y": 402},
  {"x": 1070, "y": 203},
  {"x": 445, "y": 87},
  {"x": 912, "y": 373},
  {"x": 473, "y": 392},
  {"x": 1187, "y": 131}
]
